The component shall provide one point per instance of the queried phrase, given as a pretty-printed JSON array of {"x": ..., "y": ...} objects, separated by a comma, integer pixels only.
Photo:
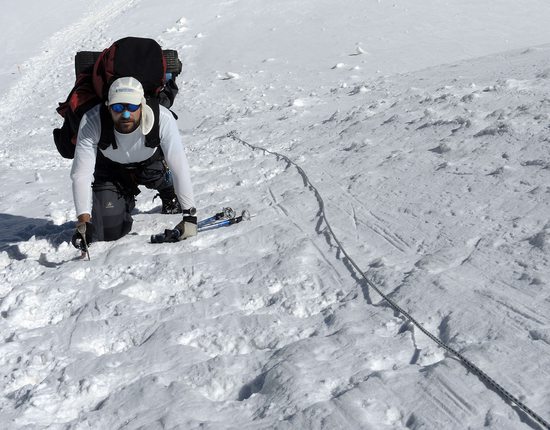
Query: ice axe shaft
[{"x": 82, "y": 230}]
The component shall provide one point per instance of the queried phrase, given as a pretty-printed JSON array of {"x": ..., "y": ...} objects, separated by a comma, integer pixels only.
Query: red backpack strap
[
  {"x": 104, "y": 72},
  {"x": 81, "y": 98}
]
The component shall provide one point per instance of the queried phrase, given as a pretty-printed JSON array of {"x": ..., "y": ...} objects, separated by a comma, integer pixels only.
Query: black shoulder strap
[
  {"x": 152, "y": 140},
  {"x": 107, "y": 129}
]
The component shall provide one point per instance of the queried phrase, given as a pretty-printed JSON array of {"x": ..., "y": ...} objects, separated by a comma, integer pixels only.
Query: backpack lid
[{"x": 140, "y": 58}]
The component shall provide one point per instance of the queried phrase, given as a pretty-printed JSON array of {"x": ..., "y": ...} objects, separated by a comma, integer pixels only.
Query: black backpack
[{"x": 140, "y": 58}]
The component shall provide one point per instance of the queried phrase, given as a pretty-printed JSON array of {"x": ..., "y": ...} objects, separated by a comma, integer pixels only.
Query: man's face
[{"x": 125, "y": 120}]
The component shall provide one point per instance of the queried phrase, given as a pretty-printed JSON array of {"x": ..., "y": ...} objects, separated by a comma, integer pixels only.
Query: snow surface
[{"x": 425, "y": 127}]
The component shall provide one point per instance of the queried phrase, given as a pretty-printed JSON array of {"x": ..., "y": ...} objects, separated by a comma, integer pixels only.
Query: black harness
[
  {"x": 123, "y": 175},
  {"x": 107, "y": 138}
]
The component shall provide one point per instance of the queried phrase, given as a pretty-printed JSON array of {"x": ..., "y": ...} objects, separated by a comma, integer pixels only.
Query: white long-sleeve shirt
[{"x": 131, "y": 149}]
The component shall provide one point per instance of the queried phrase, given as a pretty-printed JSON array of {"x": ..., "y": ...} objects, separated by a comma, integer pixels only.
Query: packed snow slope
[{"x": 425, "y": 127}]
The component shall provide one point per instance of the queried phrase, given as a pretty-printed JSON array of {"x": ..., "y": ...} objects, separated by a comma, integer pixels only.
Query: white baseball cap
[{"x": 126, "y": 90}]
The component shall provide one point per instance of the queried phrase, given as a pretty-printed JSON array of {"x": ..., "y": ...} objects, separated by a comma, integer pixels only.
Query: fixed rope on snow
[{"x": 467, "y": 363}]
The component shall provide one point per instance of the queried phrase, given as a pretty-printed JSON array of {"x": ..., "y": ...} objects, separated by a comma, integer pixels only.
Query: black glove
[
  {"x": 187, "y": 227},
  {"x": 77, "y": 239}
]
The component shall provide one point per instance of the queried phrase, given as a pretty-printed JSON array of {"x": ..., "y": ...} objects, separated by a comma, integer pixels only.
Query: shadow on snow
[{"x": 16, "y": 228}]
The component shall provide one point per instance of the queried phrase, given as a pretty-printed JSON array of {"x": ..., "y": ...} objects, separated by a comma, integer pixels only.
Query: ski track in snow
[
  {"x": 51, "y": 69},
  {"x": 435, "y": 180}
]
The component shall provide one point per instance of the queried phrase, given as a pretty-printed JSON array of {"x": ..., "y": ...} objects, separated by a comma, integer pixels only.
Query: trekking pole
[
  {"x": 226, "y": 217},
  {"x": 245, "y": 216},
  {"x": 226, "y": 213}
]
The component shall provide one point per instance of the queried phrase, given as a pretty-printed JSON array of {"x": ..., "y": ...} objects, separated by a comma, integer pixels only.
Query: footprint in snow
[
  {"x": 229, "y": 75},
  {"x": 338, "y": 66},
  {"x": 358, "y": 51},
  {"x": 181, "y": 26}
]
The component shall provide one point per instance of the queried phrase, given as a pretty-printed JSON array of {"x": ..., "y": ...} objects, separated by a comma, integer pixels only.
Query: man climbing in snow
[{"x": 122, "y": 145}]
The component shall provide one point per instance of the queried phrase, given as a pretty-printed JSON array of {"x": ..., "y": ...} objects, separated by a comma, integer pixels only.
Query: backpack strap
[
  {"x": 152, "y": 140},
  {"x": 107, "y": 138}
]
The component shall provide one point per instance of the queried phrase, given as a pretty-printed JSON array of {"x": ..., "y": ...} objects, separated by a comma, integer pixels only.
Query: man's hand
[
  {"x": 187, "y": 227},
  {"x": 83, "y": 218},
  {"x": 82, "y": 237}
]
